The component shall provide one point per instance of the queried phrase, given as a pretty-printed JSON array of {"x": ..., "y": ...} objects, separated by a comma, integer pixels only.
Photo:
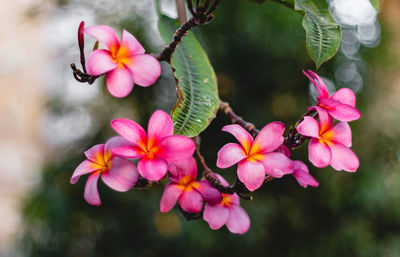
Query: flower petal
[
  {"x": 131, "y": 43},
  {"x": 91, "y": 194},
  {"x": 208, "y": 192},
  {"x": 229, "y": 155},
  {"x": 145, "y": 69},
  {"x": 325, "y": 120},
  {"x": 269, "y": 138},
  {"x": 130, "y": 152},
  {"x": 238, "y": 221},
  {"x": 215, "y": 215},
  {"x": 308, "y": 127},
  {"x": 345, "y": 96},
  {"x": 184, "y": 168},
  {"x": 116, "y": 142},
  {"x": 96, "y": 154},
  {"x": 122, "y": 175},
  {"x": 319, "y": 153},
  {"x": 84, "y": 168},
  {"x": 277, "y": 164},
  {"x": 152, "y": 169},
  {"x": 119, "y": 82},
  {"x": 100, "y": 62},
  {"x": 244, "y": 137},
  {"x": 105, "y": 35},
  {"x": 320, "y": 86},
  {"x": 283, "y": 149},
  {"x": 251, "y": 173},
  {"x": 176, "y": 147},
  {"x": 160, "y": 126},
  {"x": 302, "y": 175},
  {"x": 343, "y": 158},
  {"x": 170, "y": 196},
  {"x": 341, "y": 133},
  {"x": 191, "y": 201},
  {"x": 131, "y": 131},
  {"x": 344, "y": 112}
]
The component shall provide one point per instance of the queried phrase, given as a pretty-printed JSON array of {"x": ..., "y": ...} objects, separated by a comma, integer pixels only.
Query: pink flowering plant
[{"x": 169, "y": 152}]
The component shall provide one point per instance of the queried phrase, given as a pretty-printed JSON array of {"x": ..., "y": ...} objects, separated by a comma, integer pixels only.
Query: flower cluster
[
  {"x": 330, "y": 143},
  {"x": 157, "y": 154}
]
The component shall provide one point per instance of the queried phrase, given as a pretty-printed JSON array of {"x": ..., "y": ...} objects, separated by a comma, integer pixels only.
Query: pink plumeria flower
[
  {"x": 185, "y": 189},
  {"x": 330, "y": 144},
  {"x": 116, "y": 172},
  {"x": 255, "y": 158},
  {"x": 154, "y": 149},
  {"x": 300, "y": 170},
  {"x": 124, "y": 63},
  {"x": 228, "y": 212},
  {"x": 341, "y": 105}
]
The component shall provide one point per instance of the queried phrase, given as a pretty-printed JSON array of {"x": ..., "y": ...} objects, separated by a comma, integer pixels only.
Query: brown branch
[
  {"x": 181, "y": 11},
  {"x": 236, "y": 119},
  {"x": 202, "y": 15}
]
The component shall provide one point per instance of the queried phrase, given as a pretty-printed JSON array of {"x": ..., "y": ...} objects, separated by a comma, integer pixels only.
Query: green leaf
[
  {"x": 323, "y": 34},
  {"x": 197, "y": 90},
  {"x": 376, "y": 4}
]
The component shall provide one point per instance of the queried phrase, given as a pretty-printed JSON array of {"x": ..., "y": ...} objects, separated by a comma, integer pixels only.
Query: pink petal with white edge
[
  {"x": 104, "y": 34},
  {"x": 302, "y": 175},
  {"x": 130, "y": 152},
  {"x": 131, "y": 131},
  {"x": 131, "y": 43},
  {"x": 84, "y": 168},
  {"x": 238, "y": 221},
  {"x": 121, "y": 176},
  {"x": 170, "y": 196},
  {"x": 308, "y": 127},
  {"x": 277, "y": 164},
  {"x": 251, "y": 173},
  {"x": 345, "y": 96},
  {"x": 116, "y": 142},
  {"x": 100, "y": 62},
  {"x": 191, "y": 201},
  {"x": 145, "y": 69},
  {"x": 215, "y": 215},
  {"x": 160, "y": 126},
  {"x": 343, "y": 158},
  {"x": 95, "y": 154},
  {"x": 269, "y": 138},
  {"x": 152, "y": 169},
  {"x": 344, "y": 112},
  {"x": 91, "y": 194},
  {"x": 119, "y": 82},
  {"x": 185, "y": 167},
  {"x": 229, "y": 155},
  {"x": 208, "y": 192},
  {"x": 244, "y": 137},
  {"x": 175, "y": 148},
  {"x": 319, "y": 153},
  {"x": 341, "y": 133}
]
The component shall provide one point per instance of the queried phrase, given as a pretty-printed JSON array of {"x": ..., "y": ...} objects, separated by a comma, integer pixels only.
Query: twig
[
  {"x": 236, "y": 119},
  {"x": 202, "y": 15}
]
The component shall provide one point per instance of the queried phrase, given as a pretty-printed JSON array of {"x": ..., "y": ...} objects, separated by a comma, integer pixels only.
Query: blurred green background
[{"x": 258, "y": 52}]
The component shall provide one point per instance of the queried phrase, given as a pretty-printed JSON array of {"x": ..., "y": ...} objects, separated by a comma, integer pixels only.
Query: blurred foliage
[{"x": 258, "y": 53}]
